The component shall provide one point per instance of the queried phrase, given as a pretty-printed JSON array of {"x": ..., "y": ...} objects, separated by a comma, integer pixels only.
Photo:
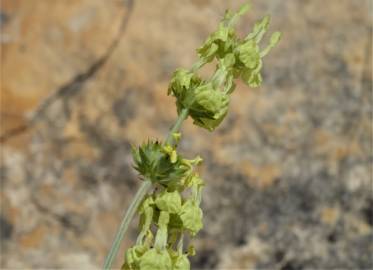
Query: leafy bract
[
  {"x": 169, "y": 201},
  {"x": 153, "y": 163},
  {"x": 191, "y": 215},
  {"x": 155, "y": 260},
  {"x": 209, "y": 107},
  {"x": 133, "y": 257}
]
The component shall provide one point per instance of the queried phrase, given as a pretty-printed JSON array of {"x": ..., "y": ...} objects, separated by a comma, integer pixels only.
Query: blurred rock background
[{"x": 289, "y": 173}]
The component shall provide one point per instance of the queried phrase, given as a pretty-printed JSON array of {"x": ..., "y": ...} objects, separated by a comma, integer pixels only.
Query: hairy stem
[{"x": 143, "y": 190}]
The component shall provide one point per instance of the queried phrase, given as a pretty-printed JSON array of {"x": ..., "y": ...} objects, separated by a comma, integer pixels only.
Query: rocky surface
[{"x": 289, "y": 173}]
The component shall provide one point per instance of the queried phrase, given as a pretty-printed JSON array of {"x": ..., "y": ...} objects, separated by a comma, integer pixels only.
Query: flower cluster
[
  {"x": 208, "y": 100},
  {"x": 171, "y": 210},
  {"x": 159, "y": 164}
]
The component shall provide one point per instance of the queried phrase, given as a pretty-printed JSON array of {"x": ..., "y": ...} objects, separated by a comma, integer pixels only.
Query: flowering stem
[{"x": 143, "y": 190}]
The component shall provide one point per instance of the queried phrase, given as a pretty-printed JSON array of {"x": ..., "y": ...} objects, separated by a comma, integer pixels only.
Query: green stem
[{"x": 143, "y": 190}]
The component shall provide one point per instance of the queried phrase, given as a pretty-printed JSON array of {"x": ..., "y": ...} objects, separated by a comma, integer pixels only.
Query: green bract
[
  {"x": 155, "y": 164},
  {"x": 248, "y": 53},
  {"x": 169, "y": 201},
  {"x": 208, "y": 107},
  {"x": 132, "y": 258},
  {"x": 191, "y": 216},
  {"x": 156, "y": 260},
  {"x": 183, "y": 82}
]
